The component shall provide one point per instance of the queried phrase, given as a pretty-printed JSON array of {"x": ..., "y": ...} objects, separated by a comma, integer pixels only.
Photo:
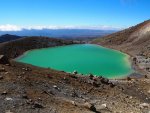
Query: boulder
[
  {"x": 144, "y": 105},
  {"x": 8, "y": 99},
  {"x": 145, "y": 76},
  {"x": 24, "y": 96},
  {"x": 2, "y": 70},
  {"x": 29, "y": 101},
  {"x": 4, "y": 93},
  {"x": 95, "y": 84},
  {"x": 4, "y": 59},
  {"x": 56, "y": 87},
  {"x": 90, "y": 106},
  {"x": 91, "y": 76},
  {"x": 135, "y": 60},
  {"x": 101, "y": 107},
  {"x": 37, "y": 105},
  {"x": 128, "y": 78},
  {"x": 73, "y": 103},
  {"x": 75, "y": 72},
  {"x": 1, "y": 77},
  {"x": 112, "y": 85},
  {"x": 105, "y": 81}
]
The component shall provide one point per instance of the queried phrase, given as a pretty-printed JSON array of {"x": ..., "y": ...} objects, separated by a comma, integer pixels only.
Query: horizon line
[{"x": 10, "y": 27}]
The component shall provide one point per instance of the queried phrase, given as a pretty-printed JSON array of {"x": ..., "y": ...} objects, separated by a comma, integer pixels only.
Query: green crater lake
[{"x": 84, "y": 58}]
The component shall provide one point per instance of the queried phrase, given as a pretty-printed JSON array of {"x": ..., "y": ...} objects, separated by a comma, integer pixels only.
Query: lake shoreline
[
  {"x": 136, "y": 67},
  {"x": 55, "y": 47}
]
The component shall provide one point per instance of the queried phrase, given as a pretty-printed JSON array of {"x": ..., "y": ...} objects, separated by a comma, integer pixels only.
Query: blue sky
[{"x": 114, "y": 13}]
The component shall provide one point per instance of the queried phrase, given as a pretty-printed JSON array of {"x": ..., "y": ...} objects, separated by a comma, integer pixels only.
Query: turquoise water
[{"x": 84, "y": 58}]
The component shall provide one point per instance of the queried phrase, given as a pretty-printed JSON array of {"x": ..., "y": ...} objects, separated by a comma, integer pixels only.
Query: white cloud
[{"x": 9, "y": 27}]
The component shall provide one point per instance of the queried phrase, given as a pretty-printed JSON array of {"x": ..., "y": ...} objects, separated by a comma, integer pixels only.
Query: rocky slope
[
  {"x": 136, "y": 38},
  {"x": 134, "y": 41},
  {"x": 29, "y": 89}
]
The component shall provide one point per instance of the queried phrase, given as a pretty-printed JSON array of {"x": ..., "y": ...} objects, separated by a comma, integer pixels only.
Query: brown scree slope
[{"x": 134, "y": 40}]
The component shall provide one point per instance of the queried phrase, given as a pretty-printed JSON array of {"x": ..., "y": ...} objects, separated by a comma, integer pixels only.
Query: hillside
[
  {"x": 17, "y": 47},
  {"x": 136, "y": 38},
  {"x": 7, "y": 37}
]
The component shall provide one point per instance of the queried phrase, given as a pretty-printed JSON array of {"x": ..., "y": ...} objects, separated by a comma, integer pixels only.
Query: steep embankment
[
  {"x": 136, "y": 38},
  {"x": 15, "y": 48},
  {"x": 134, "y": 41}
]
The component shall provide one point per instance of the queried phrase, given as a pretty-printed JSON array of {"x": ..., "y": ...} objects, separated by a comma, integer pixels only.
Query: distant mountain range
[{"x": 61, "y": 33}]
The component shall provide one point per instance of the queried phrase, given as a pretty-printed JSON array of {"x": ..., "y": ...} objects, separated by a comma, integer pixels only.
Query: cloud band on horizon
[{"x": 9, "y": 27}]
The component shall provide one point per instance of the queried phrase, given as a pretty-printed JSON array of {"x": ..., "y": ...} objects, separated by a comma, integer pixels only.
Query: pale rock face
[
  {"x": 141, "y": 32},
  {"x": 147, "y": 29}
]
